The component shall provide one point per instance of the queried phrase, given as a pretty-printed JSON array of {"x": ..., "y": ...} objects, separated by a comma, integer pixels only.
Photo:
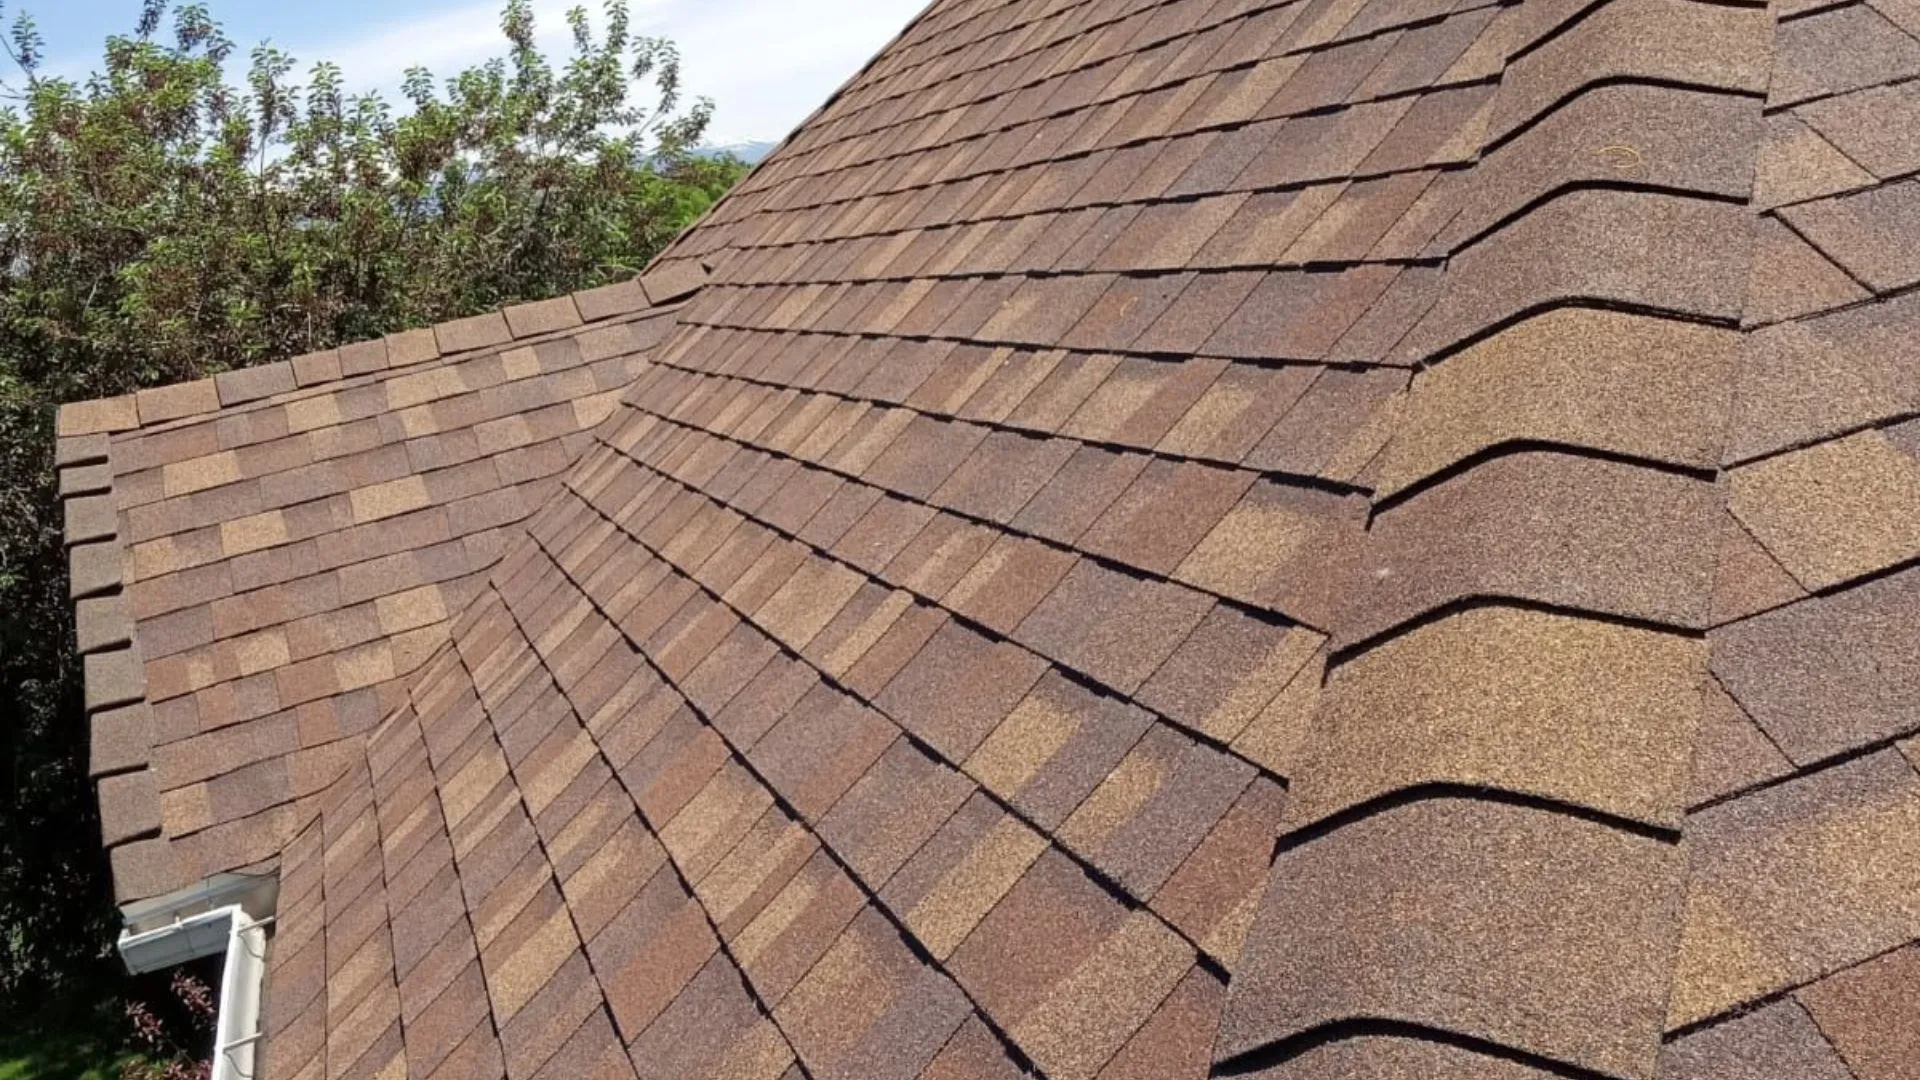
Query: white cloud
[{"x": 767, "y": 64}]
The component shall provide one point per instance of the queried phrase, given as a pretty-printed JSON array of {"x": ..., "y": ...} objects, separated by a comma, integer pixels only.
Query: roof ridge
[{"x": 1466, "y": 670}]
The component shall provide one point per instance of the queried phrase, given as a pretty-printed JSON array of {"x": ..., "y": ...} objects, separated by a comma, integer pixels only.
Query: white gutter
[{"x": 230, "y": 929}]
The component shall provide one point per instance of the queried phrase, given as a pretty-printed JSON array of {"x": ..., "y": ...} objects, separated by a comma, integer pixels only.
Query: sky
[{"x": 767, "y": 64}]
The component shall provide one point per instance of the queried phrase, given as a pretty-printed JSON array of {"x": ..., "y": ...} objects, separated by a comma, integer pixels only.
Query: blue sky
[{"x": 766, "y": 63}]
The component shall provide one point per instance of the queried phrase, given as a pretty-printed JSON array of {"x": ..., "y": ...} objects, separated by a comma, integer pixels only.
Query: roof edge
[
  {"x": 120, "y": 721},
  {"x": 659, "y": 286}
]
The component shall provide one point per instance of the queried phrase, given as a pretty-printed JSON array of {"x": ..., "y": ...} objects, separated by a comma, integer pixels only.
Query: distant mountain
[{"x": 749, "y": 152}]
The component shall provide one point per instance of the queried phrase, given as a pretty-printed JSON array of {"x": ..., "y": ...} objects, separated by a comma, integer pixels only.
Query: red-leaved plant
[{"x": 170, "y": 1053}]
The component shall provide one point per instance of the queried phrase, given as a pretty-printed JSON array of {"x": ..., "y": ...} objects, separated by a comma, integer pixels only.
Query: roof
[{"x": 1342, "y": 538}]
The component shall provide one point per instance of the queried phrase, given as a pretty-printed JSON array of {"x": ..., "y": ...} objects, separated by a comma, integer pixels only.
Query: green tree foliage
[{"x": 159, "y": 224}]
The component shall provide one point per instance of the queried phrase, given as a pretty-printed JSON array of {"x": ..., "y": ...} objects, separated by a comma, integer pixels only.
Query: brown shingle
[
  {"x": 129, "y": 807},
  {"x": 1175, "y": 1041},
  {"x": 146, "y": 868},
  {"x": 1213, "y": 895},
  {"x": 1836, "y": 50},
  {"x": 1298, "y": 314},
  {"x": 254, "y": 383},
  {"x": 1358, "y": 220},
  {"x": 816, "y": 752},
  {"x": 1616, "y": 134},
  {"x": 714, "y": 821},
  {"x": 161, "y": 404},
  {"x": 1079, "y": 492},
  {"x": 974, "y": 1053},
  {"x": 1068, "y": 382},
  {"x": 102, "y": 623},
  {"x": 796, "y": 927},
  {"x": 958, "y": 687},
  {"x": 1872, "y": 127},
  {"x": 1397, "y": 1057},
  {"x": 713, "y": 1022},
  {"x": 870, "y": 1007},
  {"x": 1857, "y": 1010},
  {"x": 114, "y": 678},
  {"x": 648, "y": 953},
  {"x": 1870, "y": 233},
  {"x": 1068, "y": 971},
  {"x": 1129, "y": 306},
  {"x": 1112, "y": 625},
  {"x": 1730, "y": 752},
  {"x": 1237, "y": 409},
  {"x": 75, "y": 450},
  {"x": 1254, "y": 554},
  {"x": 1827, "y": 674},
  {"x": 1318, "y": 434},
  {"x": 1555, "y": 937},
  {"x": 1804, "y": 381},
  {"x": 1227, "y": 671},
  {"x": 1613, "y": 246},
  {"x": 1660, "y": 40},
  {"x": 1199, "y": 311},
  {"x": 1778, "y": 1040},
  {"x": 857, "y": 628},
  {"x": 1054, "y": 748},
  {"x": 477, "y": 332},
  {"x": 939, "y": 555},
  {"x": 1150, "y": 812},
  {"x": 86, "y": 480},
  {"x": 1792, "y": 279},
  {"x": 542, "y": 317},
  {"x": 1002, "y": 474},
  {"x": 1167, "y": 510},
  {"x": 958, "y": 876},
  {"x": 99, "y": 416},
  {"x": 892, "y": 810},
  {"x": 122, "y": 739},
  {"x": 1796, "y": 164},
  {"x": 754, "y": 872}
]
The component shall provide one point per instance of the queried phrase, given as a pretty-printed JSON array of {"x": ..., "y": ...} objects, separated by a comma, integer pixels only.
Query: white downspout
[{"x": 237, "y": 1034}]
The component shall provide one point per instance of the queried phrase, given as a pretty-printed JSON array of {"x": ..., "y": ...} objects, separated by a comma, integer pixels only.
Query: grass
[{"x": 68, "y": 1055}]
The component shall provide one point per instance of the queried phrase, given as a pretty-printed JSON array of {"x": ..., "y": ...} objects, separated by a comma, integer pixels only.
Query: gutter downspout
[
  {"x": 237, "y": 1034},
  {"x": 230, "y": 928}
]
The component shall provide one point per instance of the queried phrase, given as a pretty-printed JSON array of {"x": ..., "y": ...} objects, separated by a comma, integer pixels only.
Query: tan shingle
[
  {"x": 1598, "y": 715},
  {"x": 1796, "y": 882},
  {"x": 1836, "y": 511},
  {"x": 1600, "y": 380}
]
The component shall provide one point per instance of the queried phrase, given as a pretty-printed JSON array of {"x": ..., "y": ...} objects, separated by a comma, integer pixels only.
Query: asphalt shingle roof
[{"x": 1340, "y": 538}]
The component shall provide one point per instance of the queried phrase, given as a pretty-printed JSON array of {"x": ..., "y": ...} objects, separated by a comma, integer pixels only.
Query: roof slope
[
  {"x": 257, "y": 558},
  {"x": 1343, "y": 538}
]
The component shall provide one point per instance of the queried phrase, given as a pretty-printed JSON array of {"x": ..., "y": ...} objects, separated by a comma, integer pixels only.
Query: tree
[{"x": 159, "y": 224}]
